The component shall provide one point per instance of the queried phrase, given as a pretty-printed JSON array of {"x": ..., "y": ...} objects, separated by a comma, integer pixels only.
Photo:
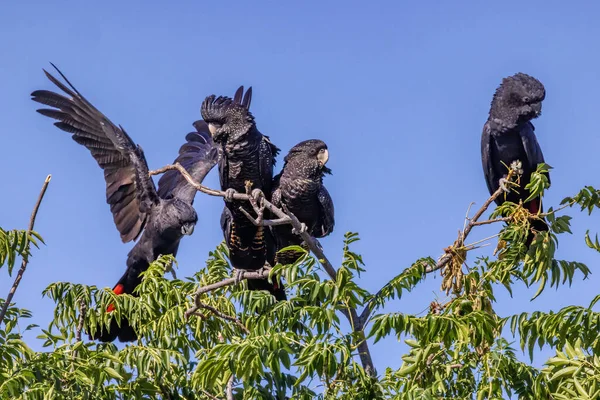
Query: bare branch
[
  {"x": 25, "y": 259},
  {"x": 264, "y": 274},
  {"x": 491, "y": 221},
  {"x": 472, "y": 223}
]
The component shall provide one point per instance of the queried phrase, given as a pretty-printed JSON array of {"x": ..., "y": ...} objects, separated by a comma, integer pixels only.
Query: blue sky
[{"x": 399, "y": 91}]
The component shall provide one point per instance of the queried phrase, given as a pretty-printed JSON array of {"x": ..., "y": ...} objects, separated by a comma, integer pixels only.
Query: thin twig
[
  {"x": 25, "y": 257},
  {"x": 264, "y": 274},
  {"x": 569, "y": 204},
  {"x": 224, "y": 316},
  {"x": 491, "y": 221},
  {"x": 467, "y": 215},
  {"x": 212, "y": 397}
]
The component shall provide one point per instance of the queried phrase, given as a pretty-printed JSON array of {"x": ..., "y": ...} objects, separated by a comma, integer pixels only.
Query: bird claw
[
  {"x": 229, "y": 193},
  {"x": 303, "y": 228},
  {"x": 238, "y": 275},
  {"x": 257, "y": 194},
  {"x": 503, "y": 182}
]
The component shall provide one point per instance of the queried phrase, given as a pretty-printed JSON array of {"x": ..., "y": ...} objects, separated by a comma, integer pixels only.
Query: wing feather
[
  {"x": 327, "y": 222},
  {"x": 198, "y": 156},
  {"x": 532, "y": 147},
  {"x": 112, "y": 149}
]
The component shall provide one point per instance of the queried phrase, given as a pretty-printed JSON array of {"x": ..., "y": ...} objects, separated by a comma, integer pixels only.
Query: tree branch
[
  {"x": 82, "y": 311},
  {"x": 491, "y": 221},
  {"x": 264, "y": 274},
  {"x": 444, "y": 259},
  {"x": 229, "y": 392},
  {"x": 224, "y": 316},
  {"x": 25, "y": 257},
  {"x": 282, "y": 218},
  {"x": 210, "y": 396}
]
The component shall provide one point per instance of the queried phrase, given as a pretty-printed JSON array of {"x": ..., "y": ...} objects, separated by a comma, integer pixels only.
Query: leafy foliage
[
  {"x": 305, "y": 348},
  {"x": 13, "y": 244}
]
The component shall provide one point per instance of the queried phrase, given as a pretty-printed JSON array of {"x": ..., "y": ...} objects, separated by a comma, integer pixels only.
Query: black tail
[
  {"x": 537, "y": 225},
  {"x": 125, "y": 332},
  {"x": 275, "y": 289}
]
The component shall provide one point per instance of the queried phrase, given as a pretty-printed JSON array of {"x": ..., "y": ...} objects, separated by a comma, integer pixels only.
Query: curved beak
[
  {"x": 537, "y": 108},
  {"x": 323, "y": 157},
  {"x": 212, "y": 129},
  {"x": 187, "y": 229}
]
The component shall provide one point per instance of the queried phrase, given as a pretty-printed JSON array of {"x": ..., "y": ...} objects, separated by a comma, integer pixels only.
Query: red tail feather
[
  {"x": 534, "y": 206},
  {"x": 119, "y": 289}
]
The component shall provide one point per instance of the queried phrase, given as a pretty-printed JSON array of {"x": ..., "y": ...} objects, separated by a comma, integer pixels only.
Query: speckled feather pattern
[
  {"x": 247, "y": 155},
  {"x": 300, "y": 187}
]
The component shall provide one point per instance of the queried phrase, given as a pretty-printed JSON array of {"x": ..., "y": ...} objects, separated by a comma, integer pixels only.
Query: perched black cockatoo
[
  {"x": 299, "y": 186},
  {"x": 508, "y": 135},
  {"x": 160, "y": 218},
  {"x": 246, "y": 156}
]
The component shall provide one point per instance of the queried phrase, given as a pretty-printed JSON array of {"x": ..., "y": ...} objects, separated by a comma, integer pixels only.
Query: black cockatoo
[
  {"x": 299, "y": 186},
  {"x": 508, "y": 135},
  {"x": 246, "y": 156},
  {"x": 160, "y": 218}
]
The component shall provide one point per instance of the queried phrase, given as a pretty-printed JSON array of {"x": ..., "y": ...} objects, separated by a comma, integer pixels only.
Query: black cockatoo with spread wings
[
  {"x": 160, "y": 218},
  {"x": 508, "y": 136},
  {"x": 299, "y": 187},
  {"x": 247, "y": 156}
]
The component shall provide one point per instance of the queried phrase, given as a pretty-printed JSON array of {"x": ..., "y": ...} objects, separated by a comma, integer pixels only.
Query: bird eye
[{"x": 526, "y": 99}]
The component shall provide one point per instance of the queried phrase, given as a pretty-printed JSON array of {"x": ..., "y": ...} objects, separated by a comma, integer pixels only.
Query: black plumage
[
  {"x": 247, "y": 156},
  {"x": 508, "y": 135},
  {"x": 299, "y": 187},
  {"x": 160, "y": 218}
]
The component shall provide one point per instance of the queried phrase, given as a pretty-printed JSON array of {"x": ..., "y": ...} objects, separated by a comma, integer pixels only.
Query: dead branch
[{"x": 25, "y": 257}]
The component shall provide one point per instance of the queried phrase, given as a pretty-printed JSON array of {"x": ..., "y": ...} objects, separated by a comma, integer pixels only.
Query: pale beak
[
  {"x": 212, "y": 129},
  {"x": 187, "y": 229},
  {"x": 323, "y": 157}
]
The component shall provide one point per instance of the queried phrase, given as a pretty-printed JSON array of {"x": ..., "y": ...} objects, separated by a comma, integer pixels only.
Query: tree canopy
[{"x": 207, "y": 337}]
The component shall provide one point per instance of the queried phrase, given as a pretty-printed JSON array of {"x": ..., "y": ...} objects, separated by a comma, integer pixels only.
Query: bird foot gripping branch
[
  {"x": 229, "y": 193},
  {"x": 238, "y": 275},
  {"x": 303, "y": 228}
]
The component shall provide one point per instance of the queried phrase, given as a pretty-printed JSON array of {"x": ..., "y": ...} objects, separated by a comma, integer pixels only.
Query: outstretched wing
[
  {"x": 327, "y": 221},
  {"x": 112, "y": 148},
  {"x": 198, "y": 156}
]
